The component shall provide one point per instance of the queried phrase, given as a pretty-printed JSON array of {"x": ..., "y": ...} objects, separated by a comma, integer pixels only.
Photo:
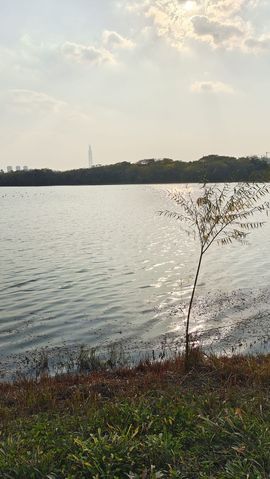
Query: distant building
[
  {"x": 90, "y": 157},
  {"x": 146, "y": 161},
  {"x": 150, "y": 161},
  {"x": 17, "y": 168}
]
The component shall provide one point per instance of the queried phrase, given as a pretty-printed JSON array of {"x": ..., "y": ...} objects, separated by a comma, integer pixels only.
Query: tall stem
[{"x": 189, "y": 310}]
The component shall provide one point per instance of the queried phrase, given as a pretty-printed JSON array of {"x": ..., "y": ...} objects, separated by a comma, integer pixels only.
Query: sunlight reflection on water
[{"x": 95, "y": 264}]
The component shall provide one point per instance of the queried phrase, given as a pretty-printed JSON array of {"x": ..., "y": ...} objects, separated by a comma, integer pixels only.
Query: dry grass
[
  {"x": 150, "y": 422},
  {"x": 27, "y": 397}
]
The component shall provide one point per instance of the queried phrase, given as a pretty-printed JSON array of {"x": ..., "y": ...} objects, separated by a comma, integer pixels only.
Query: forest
[{"x": 211, "y": 168}]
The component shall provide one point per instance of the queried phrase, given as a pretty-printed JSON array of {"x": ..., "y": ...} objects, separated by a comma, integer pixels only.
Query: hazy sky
[{"x": 136, "y": 79}]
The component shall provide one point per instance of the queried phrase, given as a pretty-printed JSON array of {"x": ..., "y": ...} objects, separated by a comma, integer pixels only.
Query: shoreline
[{"x": 213, "y": 332}]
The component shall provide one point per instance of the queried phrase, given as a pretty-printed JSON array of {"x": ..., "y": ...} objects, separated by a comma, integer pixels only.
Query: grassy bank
[{"x": 150, "y": 422}]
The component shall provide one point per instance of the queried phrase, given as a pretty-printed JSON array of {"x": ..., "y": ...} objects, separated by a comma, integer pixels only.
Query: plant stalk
[{"x": 189, "y": 311}]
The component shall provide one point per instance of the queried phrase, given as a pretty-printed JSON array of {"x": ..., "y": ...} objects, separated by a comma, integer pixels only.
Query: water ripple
[{"x": 90, "y": 264}]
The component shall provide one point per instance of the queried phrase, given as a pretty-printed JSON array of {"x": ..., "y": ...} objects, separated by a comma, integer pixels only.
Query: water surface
[{"x": 97, "y": 264}]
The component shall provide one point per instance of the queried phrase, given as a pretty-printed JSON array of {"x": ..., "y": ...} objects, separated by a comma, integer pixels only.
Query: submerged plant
[{"x": 218, "y": 214}]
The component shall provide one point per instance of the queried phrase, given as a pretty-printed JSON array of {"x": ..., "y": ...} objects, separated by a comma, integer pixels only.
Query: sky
[{"x": 134, "y": 78}]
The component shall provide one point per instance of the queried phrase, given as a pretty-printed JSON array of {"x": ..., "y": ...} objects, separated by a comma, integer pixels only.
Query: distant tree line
[{"x": 211, "y": 168}]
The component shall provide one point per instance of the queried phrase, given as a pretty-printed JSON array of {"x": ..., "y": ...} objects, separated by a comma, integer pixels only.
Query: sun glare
[{"x": 189, "y": 5}]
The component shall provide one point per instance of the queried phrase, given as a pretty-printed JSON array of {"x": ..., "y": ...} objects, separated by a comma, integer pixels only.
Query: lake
[{"x": 96, "y": 264}]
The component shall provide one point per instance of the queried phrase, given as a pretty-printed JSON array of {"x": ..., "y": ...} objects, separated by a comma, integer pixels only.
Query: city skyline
[{"x": 142, "y": 79}]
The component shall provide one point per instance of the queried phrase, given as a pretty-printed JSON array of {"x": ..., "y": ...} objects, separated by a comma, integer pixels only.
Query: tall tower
[{"x": 90, "y": 157}]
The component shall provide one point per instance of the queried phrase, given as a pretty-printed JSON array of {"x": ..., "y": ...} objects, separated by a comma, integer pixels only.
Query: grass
[{"x": 153, "y": 421}]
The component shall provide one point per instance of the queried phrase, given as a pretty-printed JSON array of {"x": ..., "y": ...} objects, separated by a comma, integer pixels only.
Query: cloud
[
  {"x": 211, "y": 87},
  {"x": 92, "y": 55},
  {"x": 113, "y": 40},
  {"x": 257, "y": 45},
  {"x": 86, "y": 54},
  {"x": 45, "y": 57},
  {"x": 33, "y": 101},
  {"x": 224, "y": 9},
  {"x": 226, "y": 24},
  {"x": 38, "y": 104},
  {"x": 217, "y": 33}
]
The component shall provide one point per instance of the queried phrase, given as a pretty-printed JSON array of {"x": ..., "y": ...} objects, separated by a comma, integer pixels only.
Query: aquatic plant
[{"x": 221, "y": 214}]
